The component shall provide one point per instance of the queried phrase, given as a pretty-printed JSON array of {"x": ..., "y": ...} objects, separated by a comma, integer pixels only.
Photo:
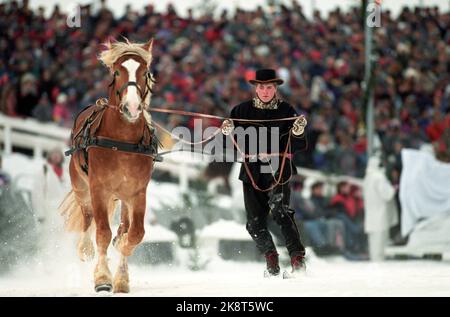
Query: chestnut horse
[{"x": 103, "y": 175}]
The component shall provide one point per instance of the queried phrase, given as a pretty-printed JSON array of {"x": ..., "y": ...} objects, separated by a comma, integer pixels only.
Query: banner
[{"x": 424, "y": 188}]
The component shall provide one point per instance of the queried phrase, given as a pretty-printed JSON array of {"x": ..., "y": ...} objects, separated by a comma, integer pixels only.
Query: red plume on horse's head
[{"x": 107, "y": 45}]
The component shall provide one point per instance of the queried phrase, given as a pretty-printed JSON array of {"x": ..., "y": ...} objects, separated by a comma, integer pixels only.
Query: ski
[
  {"x": 270, "y": 275},
  {"x": 291, "y": 275}
]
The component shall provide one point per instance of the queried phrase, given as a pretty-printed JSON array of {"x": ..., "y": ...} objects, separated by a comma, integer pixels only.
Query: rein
[
  {"x": 285, "y": 155},
  {"x": 209, "y": 116}
]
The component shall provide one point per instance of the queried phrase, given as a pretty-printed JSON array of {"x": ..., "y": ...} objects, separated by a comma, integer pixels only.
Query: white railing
[{"x": 31, "y": 135}]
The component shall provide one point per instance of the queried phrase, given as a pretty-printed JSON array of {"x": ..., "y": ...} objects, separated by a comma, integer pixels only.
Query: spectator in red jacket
[
  {"x": 345, "y": 208},
  {"x": 61, "y": 114}
]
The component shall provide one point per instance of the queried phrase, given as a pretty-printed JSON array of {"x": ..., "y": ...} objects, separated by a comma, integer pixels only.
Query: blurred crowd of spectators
[
  {"x": 50, "y": 71},
  {"x": 331, "y": 223}
]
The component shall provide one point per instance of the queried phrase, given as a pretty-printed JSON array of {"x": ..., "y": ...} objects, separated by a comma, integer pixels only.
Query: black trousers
[{"x": 258, "y": 208}]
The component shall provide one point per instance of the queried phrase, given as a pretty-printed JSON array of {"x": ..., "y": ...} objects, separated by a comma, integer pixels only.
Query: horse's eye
[{"x": 116, "y": 73}]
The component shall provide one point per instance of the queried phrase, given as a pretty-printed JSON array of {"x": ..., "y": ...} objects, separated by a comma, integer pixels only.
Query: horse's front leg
[
  {"x": 121, "y": 279},
  {"x": 102, "y": 274},
  {"x": 128, "y": 241}
]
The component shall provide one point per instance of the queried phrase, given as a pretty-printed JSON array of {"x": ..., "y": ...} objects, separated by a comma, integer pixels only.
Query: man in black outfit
[{"x": 258, "y": 200}]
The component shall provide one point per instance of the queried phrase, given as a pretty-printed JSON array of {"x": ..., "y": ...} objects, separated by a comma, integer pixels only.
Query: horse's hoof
[
  {"x": 121, "y": 287},
  {"x": 103, "y": 288}
]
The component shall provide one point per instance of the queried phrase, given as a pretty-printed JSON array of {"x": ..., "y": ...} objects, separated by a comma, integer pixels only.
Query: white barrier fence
[{"x": 31, "y": 135}]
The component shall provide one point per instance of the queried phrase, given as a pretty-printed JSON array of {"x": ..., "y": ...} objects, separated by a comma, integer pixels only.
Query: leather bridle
[{"x": 142, "y": 94}]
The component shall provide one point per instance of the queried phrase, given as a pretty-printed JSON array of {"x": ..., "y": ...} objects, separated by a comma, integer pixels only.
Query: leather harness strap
[
  {"x": 137, "y": 148},
  {"x": 86, "y": 138}
]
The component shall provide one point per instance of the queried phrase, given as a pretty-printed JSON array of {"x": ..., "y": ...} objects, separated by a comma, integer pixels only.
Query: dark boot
[
  {"x": 298, "y": 263},
  {"x": 273, "y": 268}
]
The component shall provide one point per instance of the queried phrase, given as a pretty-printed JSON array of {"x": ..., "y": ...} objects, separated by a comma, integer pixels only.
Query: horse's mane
[{"x": 116, "y": 50}]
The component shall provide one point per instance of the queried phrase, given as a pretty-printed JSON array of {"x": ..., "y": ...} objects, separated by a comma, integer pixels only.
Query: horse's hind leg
[
  {"x": 85, "y": 247},
  {"x": 124, "y": 224},
  {"x": 128, "y": 241}
]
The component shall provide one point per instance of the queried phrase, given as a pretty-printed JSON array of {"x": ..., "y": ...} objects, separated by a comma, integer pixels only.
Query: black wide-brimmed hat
[{"x": 266, "y": 76}]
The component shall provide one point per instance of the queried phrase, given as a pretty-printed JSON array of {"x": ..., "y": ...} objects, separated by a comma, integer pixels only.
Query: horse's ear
[
  {"x": 107, "y": 45},
  {"x": 109, "y": 41},
  {"x": 148, "y": 46}
]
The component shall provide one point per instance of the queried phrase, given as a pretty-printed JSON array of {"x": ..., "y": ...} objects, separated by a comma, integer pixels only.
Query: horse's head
[{"x": 131, "y": 87}]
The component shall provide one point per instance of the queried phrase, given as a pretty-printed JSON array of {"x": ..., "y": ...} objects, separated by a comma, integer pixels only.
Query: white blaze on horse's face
[{"x": 132, "y": 99}]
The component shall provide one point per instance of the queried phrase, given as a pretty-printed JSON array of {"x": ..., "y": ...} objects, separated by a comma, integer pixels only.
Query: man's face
[{"x": 266, "y": 92}]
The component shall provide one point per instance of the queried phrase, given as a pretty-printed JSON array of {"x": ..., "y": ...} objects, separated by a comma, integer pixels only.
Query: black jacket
[{"x": 246, "y": 110}]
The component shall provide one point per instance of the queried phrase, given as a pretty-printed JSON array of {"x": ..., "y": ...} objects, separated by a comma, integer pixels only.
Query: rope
[
  {"x": 277, "y": 181},
  {"x": 209, "y": 116},
  {"x": 182, "y": 140},
  {"x": 285, "y": 154}
]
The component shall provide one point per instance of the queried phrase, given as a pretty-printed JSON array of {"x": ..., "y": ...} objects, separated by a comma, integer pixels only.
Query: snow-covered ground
[{"x": 330, "y": 277}]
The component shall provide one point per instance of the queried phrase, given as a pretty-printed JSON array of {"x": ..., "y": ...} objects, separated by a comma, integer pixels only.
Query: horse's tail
[{"x": 70, "y": 209}]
